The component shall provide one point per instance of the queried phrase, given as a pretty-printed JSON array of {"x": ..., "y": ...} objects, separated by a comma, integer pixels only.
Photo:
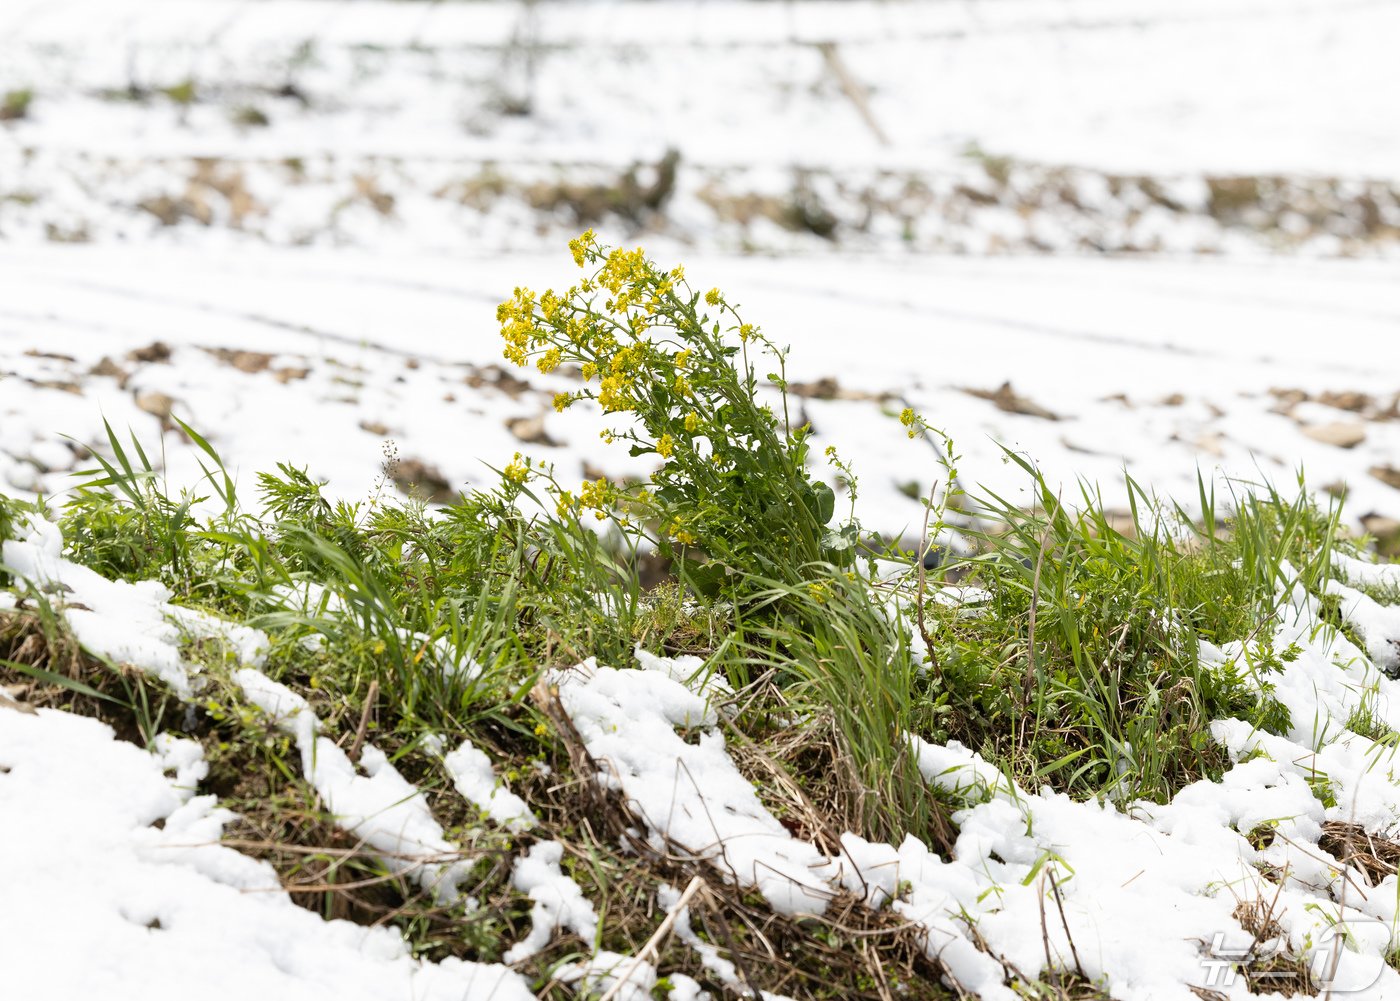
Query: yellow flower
[
  {"x": 541, "y": 729},
  {"x": 745, "y": 331},
  {"x": 565, "y": 504},
  {"x": 683, "y": 358},
  {"x": 518, "y": 472},
  {"x": 712, "y": 297},
  {"x": 666, "y": 446},
  {"x": 580, "y": 245},
  {"x": 612, "y": 394},
  {"x": 692, "y": 422},
  {"x": 907, "y": 417},
  {"x": 549, "y": 361},
  {"x": 589, "y": 370},
  {"x": 562, "y": 401},
  {"x": 594, "y": 494}
]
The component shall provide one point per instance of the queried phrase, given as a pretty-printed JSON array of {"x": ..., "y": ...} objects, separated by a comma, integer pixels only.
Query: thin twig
[
  {"x": 363, "y": 728},
  {"x": 652, "y": 944},
  {"x": 1059, "y": 903}
]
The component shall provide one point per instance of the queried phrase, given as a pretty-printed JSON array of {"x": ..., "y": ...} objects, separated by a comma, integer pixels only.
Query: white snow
[
  {"x": 132, "y": 624},
  {"x": 100, "y": 903},
  {"x": 474, "y": 777},
  {"x": 559, "y": 903},
  {"x": 1145, "y": 889},
  {"x": 690, "y": 794},
  {"x": 603, "y": 971},
  {"x": 380, "y": 806}
]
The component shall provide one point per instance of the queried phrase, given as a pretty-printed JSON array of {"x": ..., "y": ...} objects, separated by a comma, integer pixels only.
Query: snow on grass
[
  {"x": 1140, "y": 897},
  {"x": 1136, "y": 896},
  {"x": 474, "y": 777},
  {"x": 691, "y": 795},
  {"x": 609, "y": 971},
  {"x": 135, "y": 625},
  {"x": 99, "y": 902},
  {"x": 127, "y": 623},
  {"x": 381, "y": 807},
  {"x": 558, "y": 902},
  {"x": 707, "y": 952}
]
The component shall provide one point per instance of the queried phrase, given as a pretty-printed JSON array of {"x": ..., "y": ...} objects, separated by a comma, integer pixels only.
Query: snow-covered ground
[
  {"x": 1157, "y": 367},
  {"x": 288, "y": 222}
]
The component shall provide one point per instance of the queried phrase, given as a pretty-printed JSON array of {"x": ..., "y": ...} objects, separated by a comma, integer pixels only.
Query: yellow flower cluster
[
  {"x": 580, "y": 245},
  {"x": 678, "y": 532},
  {"x": 517, "y": 472},
  {"x": 666, "y": 447},
  {"x": 517, "y": 319},
  {"x": 549, "y": 361},
  {"x": 623, "y": 268},
  {"x": 910, "y": 420},
  {"x": 596, "y": 494}
]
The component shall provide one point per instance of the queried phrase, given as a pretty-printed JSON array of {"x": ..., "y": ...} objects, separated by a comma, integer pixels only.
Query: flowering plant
[{"x": 732, "y": 493}]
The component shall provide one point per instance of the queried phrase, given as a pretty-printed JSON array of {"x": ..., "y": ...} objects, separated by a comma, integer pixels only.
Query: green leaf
[
  {"x": 707, "y": 578},
  {"x": 825, "y": 502},
  {"x": 63, "y": 681}
]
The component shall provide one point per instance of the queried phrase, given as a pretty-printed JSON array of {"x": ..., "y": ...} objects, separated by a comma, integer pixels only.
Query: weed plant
[
  {"x": 1066, "y": 649},
  {"x": 1069, "y": 657}
]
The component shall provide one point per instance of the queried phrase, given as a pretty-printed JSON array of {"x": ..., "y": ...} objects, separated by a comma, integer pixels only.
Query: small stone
[
  {"x": 1347, "y": 400},
  {"x": 1388, "y": 475},
  {"x": 1342, "y": 434},
  {"x": 419, "y": 479},
  {"x": 531, "y": 431},
  {"x": 1007, "y": 399},
  {"x": 1386, "y": 532},
  {"x": 157, "y": 351},
  {"x": 111, "y": 370},
  {"x": 156, "y": 404},
  {"x": 247, "y": 362}
]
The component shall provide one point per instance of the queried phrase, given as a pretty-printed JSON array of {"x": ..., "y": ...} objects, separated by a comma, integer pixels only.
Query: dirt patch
[
  {"x": 531, "y": 431},
  {"x": 498, "y": 378},
  {"x": 418, "y": 478},
  {"x": 1007, "y": 399},
  {"x": 156, "y": 351},
  {"x": 827, "y": 388},
  {"x": 1388, "y": 475}
]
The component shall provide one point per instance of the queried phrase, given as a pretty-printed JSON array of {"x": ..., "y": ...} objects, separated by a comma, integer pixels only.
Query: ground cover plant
[{"x": 1068, "y": 650}]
